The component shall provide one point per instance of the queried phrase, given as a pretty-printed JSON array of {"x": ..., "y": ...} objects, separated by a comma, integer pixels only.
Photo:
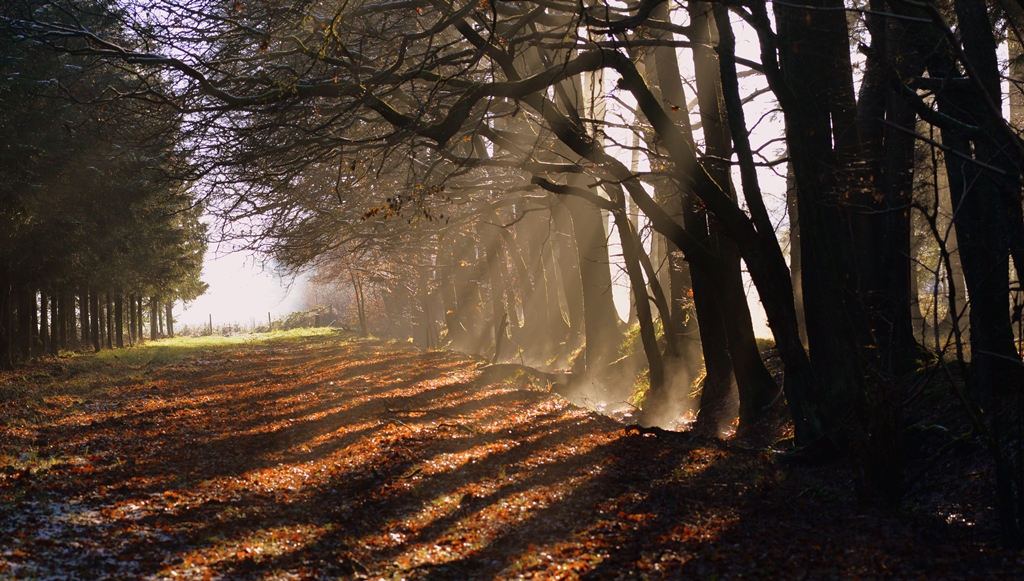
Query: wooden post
[{"x": 270, "y": 325}]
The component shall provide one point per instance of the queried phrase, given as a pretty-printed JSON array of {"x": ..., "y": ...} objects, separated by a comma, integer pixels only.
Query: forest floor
[{"x": 320, "y": 456}]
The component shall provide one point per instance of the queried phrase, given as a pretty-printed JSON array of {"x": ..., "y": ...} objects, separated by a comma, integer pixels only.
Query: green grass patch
[
  {"x": 164, "y": 351},
  {"x": 90, "y": 374}
]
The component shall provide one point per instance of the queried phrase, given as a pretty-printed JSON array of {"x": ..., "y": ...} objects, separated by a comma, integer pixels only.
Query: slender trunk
[
  {"x": 119, "y": 319},
  {"x": 427, "y": 327},
  {"x": 494, "y": 256},
  {"x": 139, "y": 321},
  {"x": 795, "y": 260},
  {"x": 630, "y": 250},
  {"x": 83, "y": 316},
  {"x": 154, "y": 326},
  {"x": 66, "y": 311},
  {"x": 169, "y": 317},
  {"x": 54, "y": 322},
  {"x": 36, "y": 346},
  {"x": 6, "y": 314},
  {"x": 44, "y": 323},
  {"x": 110, "y": 320},
  {"x": 131, "y": 320},
  {"x": 357, "y": 288},
  {"x": 23, "y": 302},
  {"x": 94, "y": 309}
]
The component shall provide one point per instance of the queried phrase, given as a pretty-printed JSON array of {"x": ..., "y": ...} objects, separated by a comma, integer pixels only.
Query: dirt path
[{"x": 324, "y": 459}]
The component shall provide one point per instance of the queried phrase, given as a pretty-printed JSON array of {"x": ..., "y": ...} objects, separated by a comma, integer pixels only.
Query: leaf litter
[{"x": 328, "y": 457}]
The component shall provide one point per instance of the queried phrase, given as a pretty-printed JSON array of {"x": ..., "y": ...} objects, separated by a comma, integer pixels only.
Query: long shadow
[
  {"x": 352, "y": 493},
  {"x": 261, "y": 443},
  {"x": 350, "y": 501},
  {"x": 625, "y": 501}
]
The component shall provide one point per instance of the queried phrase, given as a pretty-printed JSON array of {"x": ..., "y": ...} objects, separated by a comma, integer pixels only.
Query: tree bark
[
  {"x": 85, "y": 321},
  {"x": 154, "y": 326},
  {"x": 94, "y": 309},
  {"x": 139, "y": 321},
  {"x": 757, "y": 389},
  {"x": 44, "y": 323},
  {"x": 119, "y": 319},
  {"x": 169, "y": 317}
]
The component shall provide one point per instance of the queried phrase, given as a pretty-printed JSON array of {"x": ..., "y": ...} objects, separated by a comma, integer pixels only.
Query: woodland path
[{"x": 324, "y": 457}]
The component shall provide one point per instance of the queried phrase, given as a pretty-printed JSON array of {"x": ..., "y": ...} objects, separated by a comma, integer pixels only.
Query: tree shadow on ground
[{"x": 326, "y": 460}]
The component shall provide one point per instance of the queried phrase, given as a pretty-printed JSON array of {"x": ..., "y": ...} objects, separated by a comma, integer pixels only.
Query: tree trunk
[
  {"x": 36, "y": 346},
  {"x": 110, "y": 320},
  {"x": 357, "y": 289},
  {"x": 757, "y": 389},
  {"x": 66, "y": 311},
  {"x": 132, "y": 336},
  {"x": 569, "y": 270},
  {"x": 814, "y": 58},
  {"x": 83, "y": 316},
  {"x": 55, "y": 317},
  {"x": 630, "y": 249},
  {"x": 119, "y": 319},
  {"x": 154, "y": 326},
  {"x": 169, "y": 317},
  {"x": 600, "y": 319},
  {"x": 6, "y": 316},
  {"x": 139, "y": 320},
  {"x": 23, "y": 302},
  {"x": 44, "y": 323},
  {"x": 94, "y": 309}
]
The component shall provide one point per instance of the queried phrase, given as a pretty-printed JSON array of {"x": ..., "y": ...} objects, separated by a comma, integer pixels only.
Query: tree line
[
  {"x": 98, "y": 230},
  {"x": 462, "y": 166}
]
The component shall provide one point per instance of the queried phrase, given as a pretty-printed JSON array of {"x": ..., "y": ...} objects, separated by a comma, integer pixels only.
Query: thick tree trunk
[
  {"x": 757, "y": 388},
  {"x": 718, "y": 390},
  {"x": 878, "y": 213},
  {"x": 569, "y": 270},
  {"x": 494, "y": 256},
  {"x": 814, "y": 59},
  {"x": 600, "y": 325}
]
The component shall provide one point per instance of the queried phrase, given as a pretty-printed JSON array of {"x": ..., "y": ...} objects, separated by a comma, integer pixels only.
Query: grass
[{"x": 87, "y": 374}]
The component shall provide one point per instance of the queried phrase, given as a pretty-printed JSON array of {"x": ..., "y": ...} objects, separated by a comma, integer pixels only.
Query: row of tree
[
  {"x": 472, "y": 159},
  {"x": 93, "y": 215}
]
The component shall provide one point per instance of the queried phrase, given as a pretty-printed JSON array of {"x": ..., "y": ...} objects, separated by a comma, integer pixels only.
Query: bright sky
[{"x": 240, "y": 292}]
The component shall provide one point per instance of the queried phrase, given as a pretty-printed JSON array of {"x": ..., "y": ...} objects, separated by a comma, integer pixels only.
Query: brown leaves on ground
[{"x": 324, "y": 458}]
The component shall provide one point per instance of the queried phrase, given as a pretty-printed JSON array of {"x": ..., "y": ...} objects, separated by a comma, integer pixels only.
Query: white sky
[{"x": 240, "y": 292}]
